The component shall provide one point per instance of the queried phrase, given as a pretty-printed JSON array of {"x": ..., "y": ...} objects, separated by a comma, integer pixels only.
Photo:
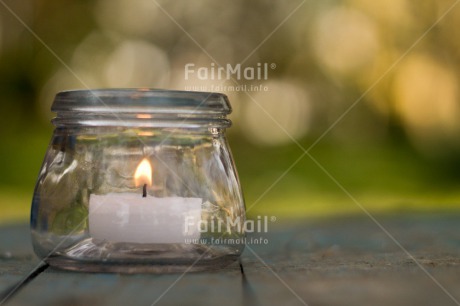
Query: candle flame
[
  {"x": 143, "y": 174},
  {"x": 144, "y": 116}
]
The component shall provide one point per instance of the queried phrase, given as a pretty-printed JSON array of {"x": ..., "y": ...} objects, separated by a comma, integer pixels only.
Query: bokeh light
[
  {"x": 391, "y": 13},
  {"x": 344, "y": 40},
  {"x": 426, "y": 99},
  {"x": 137, "y": 64},
  {"x": 328, "y": 56},
  {"x": 125, "y": 17},
  {"x": 287, "y": 113}
]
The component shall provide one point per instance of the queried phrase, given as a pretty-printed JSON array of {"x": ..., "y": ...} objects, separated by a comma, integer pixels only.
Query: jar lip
[{"x": 141, "y": 100}]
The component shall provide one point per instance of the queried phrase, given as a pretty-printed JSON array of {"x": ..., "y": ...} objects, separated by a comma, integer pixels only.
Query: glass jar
[{"x": 138, "y": 180}]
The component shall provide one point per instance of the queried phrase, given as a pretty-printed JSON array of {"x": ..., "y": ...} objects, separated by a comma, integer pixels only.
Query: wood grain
[{"x": 342, "y": 261}]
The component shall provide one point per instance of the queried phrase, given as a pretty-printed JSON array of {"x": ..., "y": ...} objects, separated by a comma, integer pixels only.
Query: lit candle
[{"x": 139, "y": 218}]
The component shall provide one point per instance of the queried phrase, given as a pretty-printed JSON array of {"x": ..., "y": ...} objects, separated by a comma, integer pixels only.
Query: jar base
[
  {"x": 90, "y": 255},
  {"x": 70, "y": 264}
]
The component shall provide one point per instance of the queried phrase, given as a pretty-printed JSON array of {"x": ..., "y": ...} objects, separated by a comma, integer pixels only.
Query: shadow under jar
[{"x": 138, "y": 181}]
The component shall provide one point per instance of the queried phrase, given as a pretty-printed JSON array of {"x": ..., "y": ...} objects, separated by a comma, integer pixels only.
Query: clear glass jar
[{"x": 138, "y": 180}]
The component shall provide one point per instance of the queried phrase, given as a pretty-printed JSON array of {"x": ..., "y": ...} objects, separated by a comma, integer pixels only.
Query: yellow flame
[
  {"x": 144, "y": 116},
  {"x": 143, "y": 174}
]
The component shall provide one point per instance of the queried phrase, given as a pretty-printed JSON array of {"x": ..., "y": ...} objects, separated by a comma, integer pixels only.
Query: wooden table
[{"x": 341, "y": 261}]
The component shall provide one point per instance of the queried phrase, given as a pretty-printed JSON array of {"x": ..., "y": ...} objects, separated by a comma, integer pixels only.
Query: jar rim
[{"x": 141, "y": 100}]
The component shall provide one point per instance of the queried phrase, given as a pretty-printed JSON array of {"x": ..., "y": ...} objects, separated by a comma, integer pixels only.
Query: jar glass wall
[{"x": 138, "y": 181}]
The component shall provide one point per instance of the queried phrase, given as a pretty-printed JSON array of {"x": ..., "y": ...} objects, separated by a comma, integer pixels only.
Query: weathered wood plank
[
  {"x": 346, "y": 261},
  {"x": 16, "y": 255}
]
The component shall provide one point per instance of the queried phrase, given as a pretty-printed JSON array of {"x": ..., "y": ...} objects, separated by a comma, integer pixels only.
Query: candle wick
[{"x": 144, "y": 191}]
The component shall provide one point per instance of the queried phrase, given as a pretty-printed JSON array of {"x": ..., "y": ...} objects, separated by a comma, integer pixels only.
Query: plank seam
[{"x": 7, "y": 294}]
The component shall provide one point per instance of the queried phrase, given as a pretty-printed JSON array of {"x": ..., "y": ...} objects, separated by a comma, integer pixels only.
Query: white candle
[{"x": 130, "y": 218}]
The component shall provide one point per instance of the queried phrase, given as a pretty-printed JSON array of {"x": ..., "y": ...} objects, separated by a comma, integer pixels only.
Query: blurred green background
[{"x": 397, "y": 149}]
